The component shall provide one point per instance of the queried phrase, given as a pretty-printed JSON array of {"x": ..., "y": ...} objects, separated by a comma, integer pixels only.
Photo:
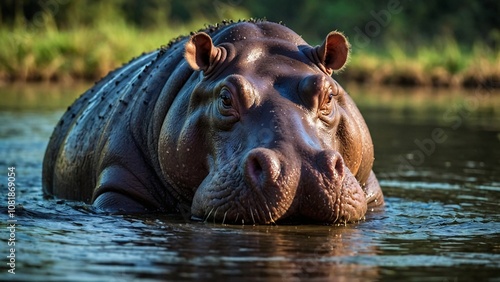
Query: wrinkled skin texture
[{"x": 242, "y": 123}]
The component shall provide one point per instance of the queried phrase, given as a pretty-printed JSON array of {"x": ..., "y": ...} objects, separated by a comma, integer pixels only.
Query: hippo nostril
[
  {"x": 262, "y": 167},
  {"x": 339, "y": 165},
  {"x": 255, "y": 169},
  {"x": 331, "y": 163}
]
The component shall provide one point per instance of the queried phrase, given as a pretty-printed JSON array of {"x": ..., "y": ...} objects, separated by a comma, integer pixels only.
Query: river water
[{"x": 437, "y": 159}]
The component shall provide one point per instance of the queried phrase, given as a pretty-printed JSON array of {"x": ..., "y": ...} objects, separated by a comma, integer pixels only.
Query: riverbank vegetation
[
  {"x": 442, "y": 64},
  {"x": 393, "y": 42}
]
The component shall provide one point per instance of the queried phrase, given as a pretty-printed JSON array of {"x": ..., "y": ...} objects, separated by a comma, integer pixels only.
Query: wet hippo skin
[{"x": 238, "y": 123}]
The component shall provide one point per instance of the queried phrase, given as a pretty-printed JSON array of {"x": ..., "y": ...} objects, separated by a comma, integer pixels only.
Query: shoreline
[
  {"x": 434, "y": 81},
  {"x": 358, "y": 76},
  {"x": 88, "y": 54}
]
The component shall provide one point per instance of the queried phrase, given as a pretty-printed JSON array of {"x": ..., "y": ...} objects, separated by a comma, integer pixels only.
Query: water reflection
[
  {"x": 164, "y": 246},
  {"x": 270, "y": 251}
]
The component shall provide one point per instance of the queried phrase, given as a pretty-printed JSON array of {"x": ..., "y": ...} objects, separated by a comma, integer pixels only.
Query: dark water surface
[{"x": 437, "y": 158}]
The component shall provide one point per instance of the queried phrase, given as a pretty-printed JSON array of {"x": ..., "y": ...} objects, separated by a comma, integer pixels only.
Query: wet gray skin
[{"x": 240, "y": 123}]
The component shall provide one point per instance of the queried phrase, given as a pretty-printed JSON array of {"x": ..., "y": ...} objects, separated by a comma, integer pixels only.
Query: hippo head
[{"x": 268, "y": 135}]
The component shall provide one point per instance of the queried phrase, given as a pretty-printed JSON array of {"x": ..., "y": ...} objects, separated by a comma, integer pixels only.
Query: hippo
[{"x": 237, "y": 123}]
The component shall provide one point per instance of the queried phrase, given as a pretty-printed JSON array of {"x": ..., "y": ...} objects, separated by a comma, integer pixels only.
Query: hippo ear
[
  {"x": 334, "y": 51},
  {"x": 200, "y": 51}
]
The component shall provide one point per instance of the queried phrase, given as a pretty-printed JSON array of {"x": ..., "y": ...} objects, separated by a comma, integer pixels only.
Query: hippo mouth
[{"x": 264, "y": 190}]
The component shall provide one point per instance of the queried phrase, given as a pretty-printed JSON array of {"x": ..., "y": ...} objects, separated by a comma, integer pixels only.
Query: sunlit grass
[
  {"x": 87, "y": 53},
  {"x": 49, "y": 54},
  {"x": 442, "y": 63}
]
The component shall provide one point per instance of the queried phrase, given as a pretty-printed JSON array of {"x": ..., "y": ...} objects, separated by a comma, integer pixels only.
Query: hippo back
[{"x": 120, "y": 116}]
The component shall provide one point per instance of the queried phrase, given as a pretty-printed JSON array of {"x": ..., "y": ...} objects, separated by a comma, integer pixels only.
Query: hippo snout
[
  {"x": 270, "y": 185},
  {"x": 262, "y": 168},
  {"x": 263, "y": 172},
  {"x": 275, "y": 186}
]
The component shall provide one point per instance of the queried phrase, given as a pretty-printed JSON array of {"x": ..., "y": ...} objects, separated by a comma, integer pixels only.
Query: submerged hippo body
[{"x": 239, "y": 123}]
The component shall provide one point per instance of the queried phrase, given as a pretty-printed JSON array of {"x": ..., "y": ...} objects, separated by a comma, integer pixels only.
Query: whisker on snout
[
  {"x": 224, "y": 218},
  {"x": 270, "y": 214},
  {"x": 208, "y": 216},
  {"x": 215, "y": 214}
]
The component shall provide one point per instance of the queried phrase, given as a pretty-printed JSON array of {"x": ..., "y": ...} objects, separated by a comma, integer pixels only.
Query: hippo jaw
[{"x": 269, "y": 188}]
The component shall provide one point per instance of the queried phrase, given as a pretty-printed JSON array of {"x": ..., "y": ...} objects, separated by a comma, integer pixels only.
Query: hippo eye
[
  {"x": 329, "y": 98},
  {"x": 328, "y": 101},
  {"x": 225, "y": 98},
  {"x": 326, "y": 109}
]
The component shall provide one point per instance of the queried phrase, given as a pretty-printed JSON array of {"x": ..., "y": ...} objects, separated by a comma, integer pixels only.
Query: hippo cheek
[
  {"x": 330, "y": 192},
  {"x": 258, "y": 190}
]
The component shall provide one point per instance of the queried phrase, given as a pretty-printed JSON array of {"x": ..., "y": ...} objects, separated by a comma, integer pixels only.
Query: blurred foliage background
[{"x": 411, "y": 42}]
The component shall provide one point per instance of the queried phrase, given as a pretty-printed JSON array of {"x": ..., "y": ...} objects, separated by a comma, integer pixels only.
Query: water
[{"x": 437, "y": 158}]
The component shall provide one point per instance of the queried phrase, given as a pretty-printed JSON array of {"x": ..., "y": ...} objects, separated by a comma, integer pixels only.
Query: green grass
[
  {"x": 91, "y": 52},
  {"x": 83, "y": 53},
  {"x": 440, "y": 63}
]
